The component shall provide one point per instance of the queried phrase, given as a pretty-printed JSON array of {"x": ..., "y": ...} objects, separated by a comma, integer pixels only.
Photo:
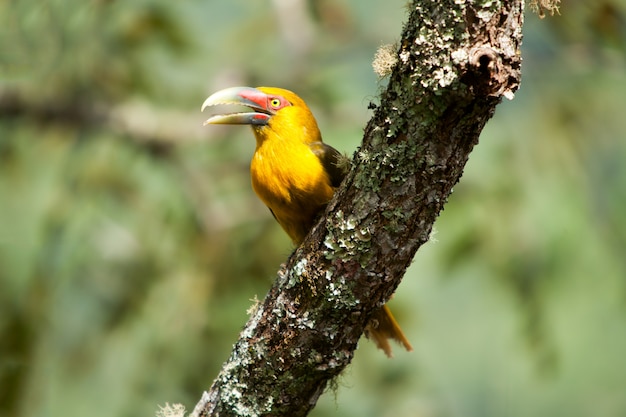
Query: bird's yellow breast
[{"x": 290, "y": 179}]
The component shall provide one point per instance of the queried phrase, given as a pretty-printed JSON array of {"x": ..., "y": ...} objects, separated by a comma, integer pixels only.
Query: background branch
[{"x": 455, "y": 63}]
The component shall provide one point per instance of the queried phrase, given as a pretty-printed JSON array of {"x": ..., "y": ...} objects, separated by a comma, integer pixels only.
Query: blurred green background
[{"x": 131, "y": 243}]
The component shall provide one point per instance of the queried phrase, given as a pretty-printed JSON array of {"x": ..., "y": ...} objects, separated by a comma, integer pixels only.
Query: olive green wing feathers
[{"x": 334, "y": 163}]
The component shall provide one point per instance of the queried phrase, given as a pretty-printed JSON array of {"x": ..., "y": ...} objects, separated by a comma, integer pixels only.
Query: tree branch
[{"x": 455, "y": 62}]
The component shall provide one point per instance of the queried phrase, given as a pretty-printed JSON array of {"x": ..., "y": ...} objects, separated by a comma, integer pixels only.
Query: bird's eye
[{"x": 275, "y": 102}]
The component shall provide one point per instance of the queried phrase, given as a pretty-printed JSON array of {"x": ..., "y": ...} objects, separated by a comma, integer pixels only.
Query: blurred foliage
[{"x": 131, "y": 244}]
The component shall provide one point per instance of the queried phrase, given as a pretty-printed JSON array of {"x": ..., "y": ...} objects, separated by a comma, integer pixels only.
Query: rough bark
[{"x": 456, "y": 61}]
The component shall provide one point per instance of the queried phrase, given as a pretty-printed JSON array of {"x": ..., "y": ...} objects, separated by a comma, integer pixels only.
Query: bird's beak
[{"x": 243, "y": 96}]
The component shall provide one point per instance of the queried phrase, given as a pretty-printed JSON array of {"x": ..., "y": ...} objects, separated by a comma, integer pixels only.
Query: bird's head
[{"x": 277, "y": 113}]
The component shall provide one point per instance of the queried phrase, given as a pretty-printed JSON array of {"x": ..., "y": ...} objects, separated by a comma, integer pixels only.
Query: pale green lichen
[
  {"x": 460, "y": 56},
  {"x": 342, "y": 241},
  {"x": 252, "y": 310},
  {"x": 384, "y": 60},
  {"x": 440, "y": 31},
  {"x": 171, "y": 410},
  {"x": 395, "y": 218},
  {"x": 305, "y": 322},
  {"x": 339, "y": 291},
  {"x": 379, "y": 161},
  {"x": 295, "y": 274}
]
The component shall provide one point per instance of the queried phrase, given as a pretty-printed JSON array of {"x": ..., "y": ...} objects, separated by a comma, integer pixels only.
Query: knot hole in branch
[
  {"x": 484, "y": 60},
  {"x": 483, "y": 74}
]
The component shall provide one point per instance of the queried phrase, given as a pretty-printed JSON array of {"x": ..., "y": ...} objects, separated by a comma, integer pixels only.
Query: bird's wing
[{"x": 333, "y": 162}]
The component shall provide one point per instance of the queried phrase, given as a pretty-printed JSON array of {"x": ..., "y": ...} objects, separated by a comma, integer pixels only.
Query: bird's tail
[{"x": 382, "y": 327}]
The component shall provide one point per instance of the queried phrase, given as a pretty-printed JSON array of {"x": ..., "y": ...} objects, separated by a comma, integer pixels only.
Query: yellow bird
[{"x": 293, "y": 171}]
